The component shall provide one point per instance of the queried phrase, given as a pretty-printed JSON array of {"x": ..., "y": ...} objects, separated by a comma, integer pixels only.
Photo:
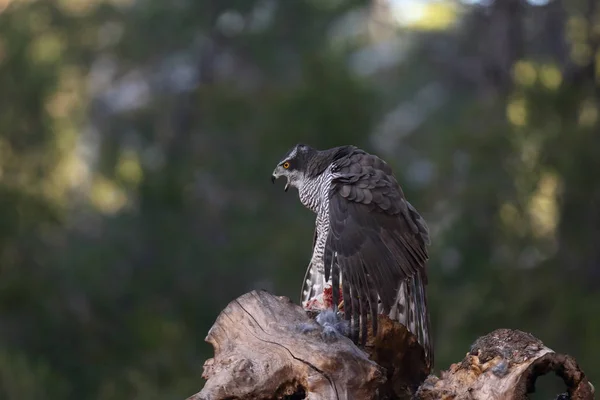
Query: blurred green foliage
[{"x": 137, "y": 140}]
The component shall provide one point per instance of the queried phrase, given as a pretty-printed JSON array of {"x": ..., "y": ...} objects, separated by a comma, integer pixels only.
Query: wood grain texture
[
  {"x": 263, "y": 353},
  {"x": 504, "y": 365},
  {"x": 260, "y": 353}
]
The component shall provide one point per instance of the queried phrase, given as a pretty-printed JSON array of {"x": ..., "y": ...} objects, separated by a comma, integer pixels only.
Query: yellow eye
[{"x": 286, "y": 165}]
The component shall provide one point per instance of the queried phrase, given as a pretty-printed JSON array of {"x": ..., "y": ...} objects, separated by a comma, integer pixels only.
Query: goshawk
[{"x": 369, "y": 243}]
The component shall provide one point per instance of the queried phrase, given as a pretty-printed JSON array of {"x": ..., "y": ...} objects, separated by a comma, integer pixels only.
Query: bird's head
[{"x": 294, "y": 165}]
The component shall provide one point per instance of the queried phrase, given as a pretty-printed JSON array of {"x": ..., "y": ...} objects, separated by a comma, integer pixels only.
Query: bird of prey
[{"x": 370, "y": 243}]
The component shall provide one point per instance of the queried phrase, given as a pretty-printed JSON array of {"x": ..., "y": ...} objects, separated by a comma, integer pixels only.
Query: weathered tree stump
[
  {"x": 505, "y": 364},
  {"x": 264, "y": 351}
]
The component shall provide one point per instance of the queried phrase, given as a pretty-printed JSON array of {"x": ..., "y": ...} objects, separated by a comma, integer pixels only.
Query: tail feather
[
  {"x": 410, "y": 307},
  {"x": 411, "y": 311}
]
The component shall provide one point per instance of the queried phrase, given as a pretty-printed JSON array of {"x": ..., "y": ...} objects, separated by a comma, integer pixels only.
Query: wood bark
[
  {"x": 505, "y": 364},
  {"x": 268, "y": 348}
]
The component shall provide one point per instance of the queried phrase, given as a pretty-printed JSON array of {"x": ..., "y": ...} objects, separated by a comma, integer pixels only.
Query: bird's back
[{"x": 381, "y": 243}]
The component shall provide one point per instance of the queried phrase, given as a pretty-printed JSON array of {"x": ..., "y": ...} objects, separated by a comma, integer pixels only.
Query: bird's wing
[{"x": 374, "y": 240}]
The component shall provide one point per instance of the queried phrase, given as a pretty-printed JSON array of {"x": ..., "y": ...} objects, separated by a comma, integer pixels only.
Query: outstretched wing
[{"x": 374, "y": 240}]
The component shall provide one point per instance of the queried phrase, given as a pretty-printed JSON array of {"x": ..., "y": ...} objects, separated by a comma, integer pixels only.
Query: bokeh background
[{"x": 137, "y": 139}]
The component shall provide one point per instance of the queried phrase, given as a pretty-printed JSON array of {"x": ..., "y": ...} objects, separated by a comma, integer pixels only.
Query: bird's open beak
[{"x": 276, "y": 175}]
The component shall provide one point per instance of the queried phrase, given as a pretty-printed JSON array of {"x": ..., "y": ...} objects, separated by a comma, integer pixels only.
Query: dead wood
[
  {"x": 263, "y": 352},
  {"x": 402, "y": 357},
  {"x": 268, "y": 348},
  {"x": 505, "y": 365}
]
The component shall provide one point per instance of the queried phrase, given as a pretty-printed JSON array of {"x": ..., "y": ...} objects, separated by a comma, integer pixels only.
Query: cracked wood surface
[
  {"x": 504, "y": 365},
  {"x": 260, "y": 353}
]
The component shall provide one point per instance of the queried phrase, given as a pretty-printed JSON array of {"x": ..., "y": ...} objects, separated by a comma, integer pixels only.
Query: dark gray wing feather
[{"x": 375, "y": 241}]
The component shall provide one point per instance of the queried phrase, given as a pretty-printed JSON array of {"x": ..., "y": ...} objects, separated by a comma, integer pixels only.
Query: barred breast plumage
[{"x": 369, "y": 240}]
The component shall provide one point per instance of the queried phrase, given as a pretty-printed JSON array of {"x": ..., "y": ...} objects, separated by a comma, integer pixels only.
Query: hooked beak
[{"x": 276, "y": 175}]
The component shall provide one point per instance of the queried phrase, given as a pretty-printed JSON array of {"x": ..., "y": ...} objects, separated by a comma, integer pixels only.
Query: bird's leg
[
  {"x": 321, "y": 302},
  {"x": 328, "y": 316},
  {"x": 312, "y": 299}
]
